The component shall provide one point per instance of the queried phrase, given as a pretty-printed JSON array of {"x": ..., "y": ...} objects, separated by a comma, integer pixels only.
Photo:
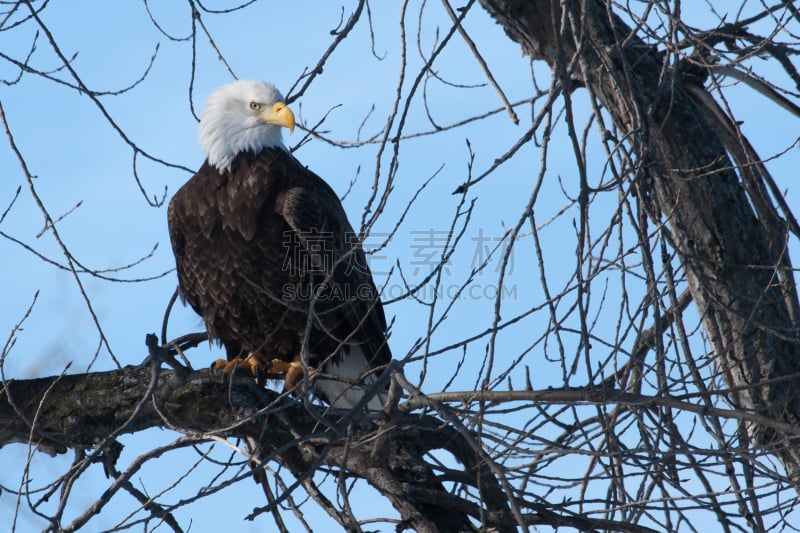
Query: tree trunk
[{"x": 748, "y": 304}]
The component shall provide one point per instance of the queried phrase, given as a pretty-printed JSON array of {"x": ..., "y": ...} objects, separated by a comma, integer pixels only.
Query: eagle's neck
[
  {"x": 223, "y": 140},
  {"x": 244, "y": 164}
]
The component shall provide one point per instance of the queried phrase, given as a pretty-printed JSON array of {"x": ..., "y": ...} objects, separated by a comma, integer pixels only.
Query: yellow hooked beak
[{"x": 279, "y": 115}]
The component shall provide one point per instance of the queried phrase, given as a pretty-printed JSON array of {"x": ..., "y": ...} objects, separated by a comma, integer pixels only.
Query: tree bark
[{"x": 748, "y": 304}]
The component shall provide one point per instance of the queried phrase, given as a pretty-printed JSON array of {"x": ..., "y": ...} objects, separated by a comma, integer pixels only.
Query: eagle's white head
[{"x": 243, "y": 115}]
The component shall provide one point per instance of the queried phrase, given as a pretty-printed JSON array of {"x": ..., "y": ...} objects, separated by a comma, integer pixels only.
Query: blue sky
[{"x": 76, "y": 156}]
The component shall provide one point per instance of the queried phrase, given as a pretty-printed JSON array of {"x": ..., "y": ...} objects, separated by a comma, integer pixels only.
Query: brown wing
[{"x": 346, "y": 302}]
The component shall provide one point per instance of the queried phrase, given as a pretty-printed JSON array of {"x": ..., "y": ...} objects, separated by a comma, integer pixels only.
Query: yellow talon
[
  {"x": 251, "y": 362},
  {"x": 293, "y": 370}
]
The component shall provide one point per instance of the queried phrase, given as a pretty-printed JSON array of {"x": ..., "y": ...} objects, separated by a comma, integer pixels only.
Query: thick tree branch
[{"x": 83, "y": 411}]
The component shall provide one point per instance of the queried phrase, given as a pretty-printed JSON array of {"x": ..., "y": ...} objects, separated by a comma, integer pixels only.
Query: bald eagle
[{"x": 266, "y": 256}]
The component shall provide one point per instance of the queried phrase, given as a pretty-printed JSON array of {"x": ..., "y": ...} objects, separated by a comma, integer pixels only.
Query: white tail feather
[{"x": 344, "y": 394}]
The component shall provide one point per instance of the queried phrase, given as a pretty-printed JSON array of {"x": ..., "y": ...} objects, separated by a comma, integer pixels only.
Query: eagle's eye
[{"x": 255, "y": 106}]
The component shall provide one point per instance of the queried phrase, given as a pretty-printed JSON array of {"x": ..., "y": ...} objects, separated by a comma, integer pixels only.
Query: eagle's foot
[
  {"x": 252, "y": 363},
  {"x": 293, "y": 371}
]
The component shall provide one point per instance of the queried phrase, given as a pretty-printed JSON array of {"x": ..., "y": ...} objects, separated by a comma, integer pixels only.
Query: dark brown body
[{"x": 266, "y": 256}]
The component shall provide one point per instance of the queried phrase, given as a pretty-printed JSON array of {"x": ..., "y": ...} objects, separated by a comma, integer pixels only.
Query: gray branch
[{"x": 734, "y": 257}]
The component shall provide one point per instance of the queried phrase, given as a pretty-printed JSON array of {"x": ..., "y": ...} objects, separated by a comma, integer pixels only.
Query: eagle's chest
[
  {"x": 234, "y": 245},
  {"x": 243, "y": 285},
  {"x": 254, "y": 261}
]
